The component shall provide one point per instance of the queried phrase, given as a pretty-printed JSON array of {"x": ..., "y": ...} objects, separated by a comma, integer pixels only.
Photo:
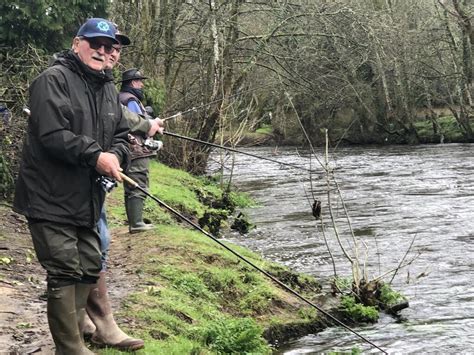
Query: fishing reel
[
  {"x": 107, "y": 183},
  {"x": 151, "y": 144}
]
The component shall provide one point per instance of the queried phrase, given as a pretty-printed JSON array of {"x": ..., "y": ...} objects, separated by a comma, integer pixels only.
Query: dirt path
[{"x": 23, "y": 323}]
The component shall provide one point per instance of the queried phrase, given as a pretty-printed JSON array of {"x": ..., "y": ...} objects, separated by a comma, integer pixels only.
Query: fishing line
[{"x": 241, "y": 257}]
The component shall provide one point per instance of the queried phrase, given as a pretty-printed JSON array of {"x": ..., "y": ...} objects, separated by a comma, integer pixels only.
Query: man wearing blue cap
[{"x": 76, "y": 133}]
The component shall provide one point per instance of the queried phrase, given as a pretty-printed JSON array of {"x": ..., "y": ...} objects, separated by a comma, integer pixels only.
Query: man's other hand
[
  {"x": 108, "y": 165},
  {"x": 157, "y": 126}
]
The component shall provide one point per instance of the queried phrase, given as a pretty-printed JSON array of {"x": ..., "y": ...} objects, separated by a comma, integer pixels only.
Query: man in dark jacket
[
  {"x": 76, "y": 133},
  {"x": 131, "y": 95}
]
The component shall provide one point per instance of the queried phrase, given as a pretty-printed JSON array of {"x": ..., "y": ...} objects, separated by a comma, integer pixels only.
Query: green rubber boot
[
  {"x": 82, "y": 293},
  {"x": 134, "y": 208},
  {"x": 63, "y": 321}
]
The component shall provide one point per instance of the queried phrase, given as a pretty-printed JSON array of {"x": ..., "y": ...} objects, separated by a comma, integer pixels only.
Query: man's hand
[
  {"x": 157, "y": 126},
  {"x": 108, "y": 164}
]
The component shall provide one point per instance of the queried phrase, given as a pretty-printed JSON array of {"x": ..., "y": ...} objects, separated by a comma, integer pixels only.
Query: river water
[{"x": 394, "y": 195}]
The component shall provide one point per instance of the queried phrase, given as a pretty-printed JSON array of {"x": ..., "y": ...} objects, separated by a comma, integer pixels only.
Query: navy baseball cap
[{"x": 98, "y": 27}]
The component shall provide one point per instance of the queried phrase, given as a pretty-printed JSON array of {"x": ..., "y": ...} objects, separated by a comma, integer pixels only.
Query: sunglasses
[{"x": 95, "y": 44}]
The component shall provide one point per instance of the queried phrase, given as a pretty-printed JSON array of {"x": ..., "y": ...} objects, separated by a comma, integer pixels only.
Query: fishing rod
[
  {"x": 195, "y": 108},
  {"x": 164, "y": 119},
  {"x": 241, "y": 257},
  {"x": 236, "y": 151}
]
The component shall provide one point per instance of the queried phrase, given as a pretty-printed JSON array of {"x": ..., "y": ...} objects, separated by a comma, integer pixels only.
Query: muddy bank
[{"x": 23, "y": 322}]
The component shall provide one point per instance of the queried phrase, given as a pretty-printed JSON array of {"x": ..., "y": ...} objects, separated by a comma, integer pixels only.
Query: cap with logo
[{"x": 98, "y": 27}]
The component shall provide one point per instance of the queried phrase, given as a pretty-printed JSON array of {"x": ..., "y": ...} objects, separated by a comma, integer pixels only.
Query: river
[{"x": 394, "y": 195}]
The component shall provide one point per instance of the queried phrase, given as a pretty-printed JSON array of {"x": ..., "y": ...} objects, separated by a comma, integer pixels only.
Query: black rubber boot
[
  {"x": 134, "y": 208},
  {"x": 63, "y": 323}
]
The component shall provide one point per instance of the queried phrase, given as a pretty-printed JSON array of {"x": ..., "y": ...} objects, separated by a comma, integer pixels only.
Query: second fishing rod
[
  {"x": 134, "y": 184},
  {"x": 294, "y": 166}
]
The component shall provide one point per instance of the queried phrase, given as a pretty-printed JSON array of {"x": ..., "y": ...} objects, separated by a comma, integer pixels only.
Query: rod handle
[{"x": 128, "y": 180}]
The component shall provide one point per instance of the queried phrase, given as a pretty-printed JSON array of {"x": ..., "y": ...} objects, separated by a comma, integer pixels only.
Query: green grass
[
  {"x": 449, "y": 127},
  {"x": 178, "y": 189},
  {"x": 265, "y": 129}
]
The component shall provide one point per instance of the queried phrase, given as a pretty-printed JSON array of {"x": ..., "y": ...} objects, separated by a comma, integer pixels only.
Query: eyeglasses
[
  {"x": 117, "y": 47},
  {"x": 95, "y": 44}
]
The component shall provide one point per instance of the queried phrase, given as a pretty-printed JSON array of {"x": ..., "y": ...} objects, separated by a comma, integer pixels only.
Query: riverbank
[
  {"x": 445, "y": 129},
  {"x": 174, "y": 287}
]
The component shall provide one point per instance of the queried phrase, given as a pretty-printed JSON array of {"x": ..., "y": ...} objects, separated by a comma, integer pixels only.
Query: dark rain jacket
[{"x": 75, "y": 115}]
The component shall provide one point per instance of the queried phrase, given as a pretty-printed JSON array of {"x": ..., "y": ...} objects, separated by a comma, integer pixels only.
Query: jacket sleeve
[
  {"x": 120, "y": 140},
  {"x": 50, "y": 104},
  {"x": 137, "y": 123}
]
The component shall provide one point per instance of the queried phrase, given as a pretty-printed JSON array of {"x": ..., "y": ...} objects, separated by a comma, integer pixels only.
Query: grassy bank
[
  {"x": 448, "y": 131},
  {"x": 193, "y": 296}
]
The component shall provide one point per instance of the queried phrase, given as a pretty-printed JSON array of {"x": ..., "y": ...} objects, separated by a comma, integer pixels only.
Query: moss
[
  {"x": 358, "y": 312},
  {"x": 389, "y": 297},
  {"x": 240, "y": 199}
]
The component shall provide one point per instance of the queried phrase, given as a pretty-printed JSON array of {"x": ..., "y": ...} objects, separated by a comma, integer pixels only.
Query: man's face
[
  {"x": 137, "y": 84},
  {"x": 114, "y": 57},
  {"x": 94, "y": 52}
]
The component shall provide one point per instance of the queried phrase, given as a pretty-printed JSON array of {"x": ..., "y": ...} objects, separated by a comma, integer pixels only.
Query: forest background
[{"x": 370, "y": 72}]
